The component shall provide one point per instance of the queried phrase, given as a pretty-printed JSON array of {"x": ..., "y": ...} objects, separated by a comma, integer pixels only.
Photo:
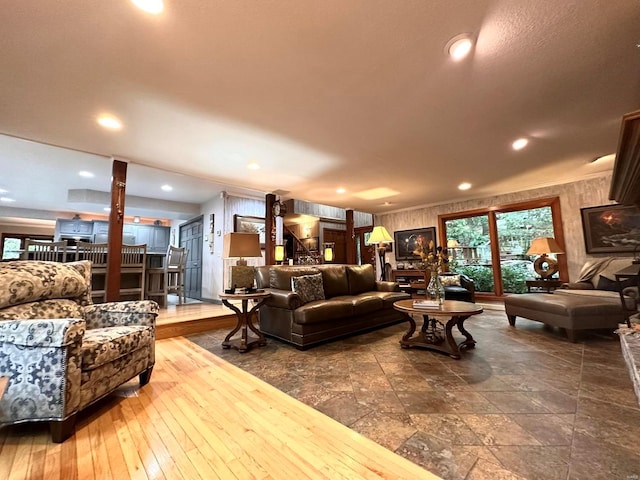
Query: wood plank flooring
[{"x": 200, "y": 417}]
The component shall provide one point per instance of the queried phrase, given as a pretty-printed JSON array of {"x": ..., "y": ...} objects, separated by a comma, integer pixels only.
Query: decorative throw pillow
[
  {"x": 308, "y": 287},
  {"x": 612, "y": 285},
  {"x": 450, "y": 280}
]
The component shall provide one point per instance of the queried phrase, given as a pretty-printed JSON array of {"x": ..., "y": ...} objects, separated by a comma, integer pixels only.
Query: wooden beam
[
  {"x": 351, "y": 239},
  {"x": 116, "y": 222},
  {"x": 270, "y": 230}
]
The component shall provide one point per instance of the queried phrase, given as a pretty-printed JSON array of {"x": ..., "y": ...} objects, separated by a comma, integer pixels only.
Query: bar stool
[
  {"x": 96, "y": 253},
  {"x": 47, "y": 251},
  {"x": 169, "y": 278}
]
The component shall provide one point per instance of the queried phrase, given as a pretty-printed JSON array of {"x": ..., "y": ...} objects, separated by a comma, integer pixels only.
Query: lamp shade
[
  {"x": 380, "y": 235},
  {"x": 544, "y": 245},
  {"x": 328, "y": 252},
  {"x": 239, "y": 244},
  {"x": 452, "y": 243}
]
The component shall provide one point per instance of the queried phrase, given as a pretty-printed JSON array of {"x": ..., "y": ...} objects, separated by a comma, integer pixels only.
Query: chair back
[
  {"x": 134, "y": 257},
  {"x": 96, "y": 253},
  {"x": 176, "y": 258},
  {"x": 47, "y": 251}
]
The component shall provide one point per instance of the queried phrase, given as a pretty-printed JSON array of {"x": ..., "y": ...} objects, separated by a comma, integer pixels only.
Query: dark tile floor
[{"x": 525, "y": 403}]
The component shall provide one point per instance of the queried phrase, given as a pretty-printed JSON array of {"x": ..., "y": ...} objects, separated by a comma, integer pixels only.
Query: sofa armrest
[
  {"x": 283, "y": 299},
  {"x": 633, "y": 292},
  {"x": 110, "y": 314},
  {"x": 577, "y": 286},
  {"x": 387, "y": 286},
  {"x": 53, "y": 332}
]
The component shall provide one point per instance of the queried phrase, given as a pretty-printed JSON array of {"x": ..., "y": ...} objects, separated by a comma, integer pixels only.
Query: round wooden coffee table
[{"x": 433, "y": 334}]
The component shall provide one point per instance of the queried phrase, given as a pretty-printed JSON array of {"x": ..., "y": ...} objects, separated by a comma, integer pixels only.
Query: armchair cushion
[
  {"x": 58, "y": 308},
  {"x": 25, "y": 282},
  {"x": 111, "y": 314},
  {"x": 104, "y": 345},
  {"x": 450, "y": 280}
]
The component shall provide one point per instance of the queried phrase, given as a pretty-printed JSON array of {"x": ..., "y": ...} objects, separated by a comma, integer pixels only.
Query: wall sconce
[
  {"x": 279, "y": 253},
  {"x": 328, "y": 251},
  {"x": 136, "y": 219}
]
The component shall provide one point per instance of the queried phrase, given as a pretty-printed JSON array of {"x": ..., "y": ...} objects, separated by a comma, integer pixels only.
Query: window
[
  {"x": 490, "y": 245},
  {"x": 13, "y": 243}
]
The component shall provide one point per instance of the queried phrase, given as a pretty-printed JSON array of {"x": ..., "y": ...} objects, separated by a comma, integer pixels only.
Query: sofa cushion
[
  {"x": 308, "y": 287},
  {"x": 363, "y": 303},
  {"x": 24, "y": 281},
  {"x": 322, "y": 311},
  {"x": 361, "y": 278},
  {"x": 58, "y": 308},
  {"x": 280, "y": 277},
  {"x": 389, "y": 298},
  {"x": 334, "y": 278},
  {"x": 103, "y": 345}
]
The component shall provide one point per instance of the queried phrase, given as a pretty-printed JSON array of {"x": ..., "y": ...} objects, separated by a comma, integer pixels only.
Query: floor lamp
[{"x": 380, "y": 236}]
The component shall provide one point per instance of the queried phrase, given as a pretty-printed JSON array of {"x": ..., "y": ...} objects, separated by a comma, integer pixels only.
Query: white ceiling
[{"x": 339, "y": 93}]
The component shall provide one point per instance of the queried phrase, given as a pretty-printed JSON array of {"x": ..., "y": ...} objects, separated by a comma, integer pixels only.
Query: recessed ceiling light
[
  {"x": 2, "y": 190},
  {"x": 150, "y": 6},
  {"x": 7, "y": 199},
  {"x": 107, "y": 209},
  {"x": 464, "y": 186},
  {"x": 86, "y": 174},
  {"x": 341, "y": 190},
  {"x": 253, "y": 166},
  {"x": 110, "y": 122},
  {"x": 519, "y": 144},
  {"x": 459, "y": 46},
  {"x": 166, "y": 188},
  {"x": 605, "y": 158}
]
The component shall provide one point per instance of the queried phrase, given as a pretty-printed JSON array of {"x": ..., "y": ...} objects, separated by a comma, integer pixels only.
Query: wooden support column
[
  {"x": 116, "y": 222},
  {"x": 351, "y": 238},
  {"x": 270, "y": 230}
]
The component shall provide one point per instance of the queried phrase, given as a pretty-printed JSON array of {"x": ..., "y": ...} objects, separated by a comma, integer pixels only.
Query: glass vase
[{"x": 435, "y": 289}]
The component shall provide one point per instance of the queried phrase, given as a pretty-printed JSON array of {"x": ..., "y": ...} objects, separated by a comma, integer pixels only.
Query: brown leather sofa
[{"x": 354, "y": 302}]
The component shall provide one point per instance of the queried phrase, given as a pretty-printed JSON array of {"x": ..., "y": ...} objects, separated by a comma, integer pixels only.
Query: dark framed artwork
[
  {"x": 611, "y": 228},
  {"x": 409, "y": 243},
  {"x": 246, "y": 224},
  {"x": 388, "y": 247}
]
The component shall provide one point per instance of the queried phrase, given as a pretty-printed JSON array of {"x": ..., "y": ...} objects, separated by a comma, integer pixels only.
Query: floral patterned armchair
[{"x": 61, "y": 352}]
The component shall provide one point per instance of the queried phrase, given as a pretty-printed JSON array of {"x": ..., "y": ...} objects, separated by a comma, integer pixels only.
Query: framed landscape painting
[
  {"x": 611, "y": 228},
  {"x": 409, "y": 243},
  {"x": 246, "y": 224}
]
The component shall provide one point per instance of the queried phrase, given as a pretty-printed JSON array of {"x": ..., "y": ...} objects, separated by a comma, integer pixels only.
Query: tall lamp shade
[
  {"x": 240, "y": 245},
  {"x": 380, "y": 236},
  {"x": 545, "y": 266}
]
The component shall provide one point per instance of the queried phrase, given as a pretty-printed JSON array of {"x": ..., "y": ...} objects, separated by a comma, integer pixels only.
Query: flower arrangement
[{"x": 432, "y": 262}]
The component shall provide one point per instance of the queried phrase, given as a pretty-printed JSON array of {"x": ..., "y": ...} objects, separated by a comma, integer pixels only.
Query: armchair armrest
[
  {"x": 387, "y": 286},
  {"x": 283, "y": 299},
  {"x": 46, "y": 332},
  {"x": 110, "y": 314}
]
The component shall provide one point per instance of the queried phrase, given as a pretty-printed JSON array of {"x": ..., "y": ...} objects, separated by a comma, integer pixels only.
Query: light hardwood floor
[{"x": 200, "y": 417}]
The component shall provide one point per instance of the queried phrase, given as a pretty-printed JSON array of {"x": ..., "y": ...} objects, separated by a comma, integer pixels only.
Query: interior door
[
  {"x": 191, "y": 237},
  {"x": 338, "y": 237}
]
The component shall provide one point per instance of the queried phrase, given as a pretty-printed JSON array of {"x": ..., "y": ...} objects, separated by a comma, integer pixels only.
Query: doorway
[
  {"x": 339, "y": 239},
  {"x": 191, "y": 238}
]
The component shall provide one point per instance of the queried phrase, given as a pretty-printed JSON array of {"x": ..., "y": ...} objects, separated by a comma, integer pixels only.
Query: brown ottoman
[{"x": 565, "y": 311}]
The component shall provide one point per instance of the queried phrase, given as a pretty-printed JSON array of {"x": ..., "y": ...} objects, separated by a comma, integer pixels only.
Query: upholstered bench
[{"x": 567, "y": 311}]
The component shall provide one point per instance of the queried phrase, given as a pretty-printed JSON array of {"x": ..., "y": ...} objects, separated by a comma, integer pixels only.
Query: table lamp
[
  {"x": 545, "y": 266},
  {"x": 240, "y": 245},
  {"x": 380, "y": 236}
]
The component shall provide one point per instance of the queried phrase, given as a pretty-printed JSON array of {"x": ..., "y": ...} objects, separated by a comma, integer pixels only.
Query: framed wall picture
[
  {"x": 611, "y": 228},
  {"x": 246, "y": 224},
  {"x": 409, "y": 243}
]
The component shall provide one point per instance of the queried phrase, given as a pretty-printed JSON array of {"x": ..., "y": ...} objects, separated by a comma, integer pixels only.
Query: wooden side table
[
  {"x": 245, "y": 323},
  {"x": 547, "y": 285}
]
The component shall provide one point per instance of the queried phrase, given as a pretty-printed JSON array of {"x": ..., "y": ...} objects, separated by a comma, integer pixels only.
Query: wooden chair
[
  {"x": 169, "y": 278},
  {"x": 96, "y": 253},
  {"x": 133, "y": 270},
  {"x": 43, "y": 250}
]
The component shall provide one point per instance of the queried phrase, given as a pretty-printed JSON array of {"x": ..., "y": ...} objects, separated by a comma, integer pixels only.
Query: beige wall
[{"x": 573, "y": 196}]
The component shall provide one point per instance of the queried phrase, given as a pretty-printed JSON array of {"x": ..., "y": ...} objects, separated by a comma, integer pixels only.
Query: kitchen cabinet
[
  {"x": 156, "y": 237},
  {"x": 82, "y": 229}
]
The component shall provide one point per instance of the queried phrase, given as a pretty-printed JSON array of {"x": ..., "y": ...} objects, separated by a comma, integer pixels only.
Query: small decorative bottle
[{"x": 435, "y": 289}]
